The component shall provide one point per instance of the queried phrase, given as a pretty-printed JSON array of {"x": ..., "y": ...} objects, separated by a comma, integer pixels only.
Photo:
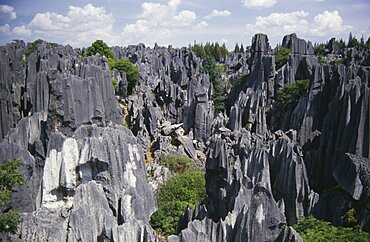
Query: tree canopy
[
  {"x": 131, "y": 71},
  {"x": 214, "y": 71},
  {"x": 210, "y": 49},
  {"x": 312, "y": 229},
  {"x": 99, "y": 46},
  {"x": 281, "y": 56},
  {"x": 289, "y": 95},
  {"x": 181, "y": 190},
  {"x": 9, "y": 178}
]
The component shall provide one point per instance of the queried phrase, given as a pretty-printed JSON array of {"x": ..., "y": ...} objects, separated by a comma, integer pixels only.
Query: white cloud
[
  {"x": 325, "y": 24},
  {"x": 5, "y": 29},
  {"x": 257, "y": 4},
  {"x": 7, "y": 13},
  {"x": 79, "y": 27},
  {"x": 185, "y": 18},
  {"x": 201, "y": 25},
  {"x": 21, "y": 32},
  {"x": 218, "y": 13},
  {"x": 158, "y": 22},
  {"x": 328, "y": 22}
]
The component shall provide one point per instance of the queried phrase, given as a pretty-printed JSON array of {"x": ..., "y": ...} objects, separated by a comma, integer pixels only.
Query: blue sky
[{"x": 180, "y": 22}]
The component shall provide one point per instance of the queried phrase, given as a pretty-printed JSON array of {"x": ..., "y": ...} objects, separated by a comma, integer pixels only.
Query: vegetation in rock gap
[
  {"x": 281, "y": 56},
  {"x": 9, "y": 178},
  {"x": 214, "y": 71},
  {"x": 122, "y": 65},
  {"x": 312, "y": 229},
  {"x": 32, "y": 47},
  {"x": 181, "y": 190},
  {"x": 175, "y": 163},
  {"x": 238, "y": 49},
  {"x": 210, "y": 49},
  {"x": 132, "y": 72},
  {"x": 289, "y": 95}
]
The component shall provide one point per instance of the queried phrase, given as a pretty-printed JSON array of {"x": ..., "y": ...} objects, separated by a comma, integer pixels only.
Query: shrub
[
  {"x": 99, "y": 46},
  {"x": 9, "y": 177},
  {"x": 281, "y": 56},
  {"x": 181, "y": 190},
  {"x": 289, "y": 95},
  {"x": 312, "y": 229},
  {"x": 244, "y": 77},
  {"x": 176, "y": 163},
  {"x": 132, "y": 72},
  {"x": 32, "y": 47},
  {"x": 114, "y": 83}
]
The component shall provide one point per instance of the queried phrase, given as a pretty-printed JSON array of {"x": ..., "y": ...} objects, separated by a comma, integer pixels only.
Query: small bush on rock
[
  {"x": 9, "y": 178},
  {"x": 181, "y": 190},
  {"x": 132, "y": 72},
  {"x": 176, "y": 163},
  {"x": 289, "y": 95},
  {"x": 312, "y": 230},
  {"x": 281, "y": 56}
]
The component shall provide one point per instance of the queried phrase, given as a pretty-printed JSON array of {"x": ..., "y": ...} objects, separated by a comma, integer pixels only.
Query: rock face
[
  {"x": 254, "y": 176},
  {"x": 265, "y": 168},
  {"x": 85, "y": 173}
]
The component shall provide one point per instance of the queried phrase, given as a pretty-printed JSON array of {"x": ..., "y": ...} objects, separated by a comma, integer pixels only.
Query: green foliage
[
  {"x": 32, "y": 47},
  {"x": 176, "y": 163},
  {"x": 114, "y": 83},
  {"x": 181, "y": 190},
  {"x": 244, "y": 77},
  {"x": 289, "y": 95},
  {"x": 318, "y": 49},
  {"x": 214, "y": 71},
  {"x": 131, "y": 71},
  {"x": 53, "y": 44},
  {"x": 352, "y": 41},
  {"x": 9, "y": 221},
  {"x": 281, "y": 56},
  {"x": 210, "y": 49},
  {"x": 241, "y": 48},
  {"x": 99, "y": 46},
  {"x": 340, "y": 44},
  {"x": 236, "y": 48},
  {"x": 9, "y": 177},
  {"x": 367, "y": 44},
  {"x": 336, "y": 62},
  {"x": 349, "y": 219},
  {"x": 321, "y": 59},
  {"x": 312, "y": 230}
]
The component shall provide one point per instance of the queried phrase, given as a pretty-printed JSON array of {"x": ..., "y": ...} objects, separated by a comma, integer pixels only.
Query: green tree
[
  {"x": 340, "y": 44},
  {"x": 289, "y": 95},
  {"x": 99, "y": 46},
  {"x": 352, "y": 41},
  {"x": 214, "y": 71},
  {"x": 236, "y": 48},
  {"x": 181, "y": 190},
  {"x": 241, "y": 48},
  {"x": 9, "y": 178},
  {"x": 281, "y": 56},
  {"x": 312, "y": 229},
  {"x": 132, "y": 72}
]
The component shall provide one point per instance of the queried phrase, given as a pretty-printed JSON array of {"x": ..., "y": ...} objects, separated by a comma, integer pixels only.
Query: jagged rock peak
[
  {"x": 260, "y": 43},
  {"x": 297, "y": 45}
]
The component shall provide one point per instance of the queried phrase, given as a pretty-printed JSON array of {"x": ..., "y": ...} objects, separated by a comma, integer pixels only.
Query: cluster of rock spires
[{"x": 85, "y": 172}]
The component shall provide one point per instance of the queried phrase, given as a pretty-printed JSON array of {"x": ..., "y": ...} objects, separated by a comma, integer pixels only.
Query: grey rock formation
[
  {"x": 99, "y": 176},
  {"x": 265, "y": 168}
]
